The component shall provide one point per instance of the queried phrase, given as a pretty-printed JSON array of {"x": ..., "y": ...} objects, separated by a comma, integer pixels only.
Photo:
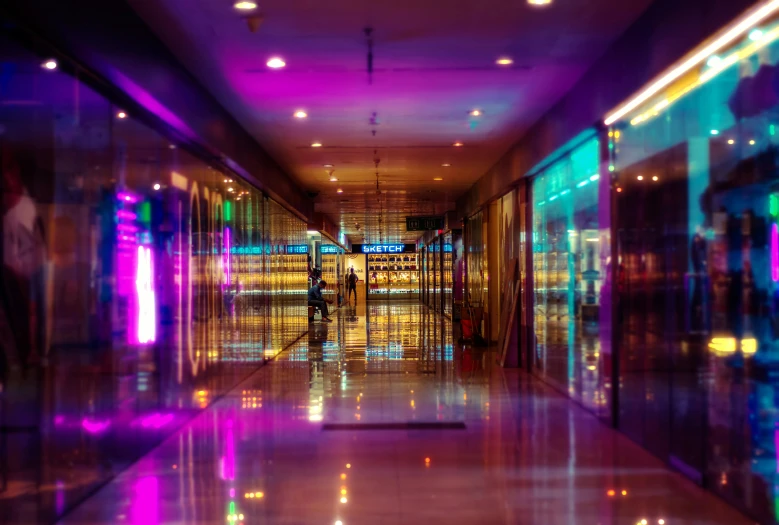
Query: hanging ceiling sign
[
  {"x": 296, "y": 249},
  {"x": 384, "y": 248},
  {"x": 424, "y": 223}
]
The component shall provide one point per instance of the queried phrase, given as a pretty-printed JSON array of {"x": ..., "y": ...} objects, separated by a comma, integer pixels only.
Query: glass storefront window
[
  {"x": 139, "y": 283},
  {"x": 569, "y": 268},
  {"x": 697, "y": 204}
]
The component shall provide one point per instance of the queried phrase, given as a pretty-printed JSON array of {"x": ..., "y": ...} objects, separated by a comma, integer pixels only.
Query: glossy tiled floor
[{"x": 322, "y": 436}]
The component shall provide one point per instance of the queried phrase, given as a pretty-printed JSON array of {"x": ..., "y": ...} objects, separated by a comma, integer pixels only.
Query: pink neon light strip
[
  {"x": 147, "y": 317},
  {"x": 226, "y": 256},
  {"x": 775, "y": 252},
  {"x": 128, "y": 215}
]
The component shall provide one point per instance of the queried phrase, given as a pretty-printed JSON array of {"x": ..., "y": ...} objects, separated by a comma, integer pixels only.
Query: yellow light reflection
[{"x": 723, "y": 345}]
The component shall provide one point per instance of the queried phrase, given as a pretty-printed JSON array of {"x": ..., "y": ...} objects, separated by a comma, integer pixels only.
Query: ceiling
[{"x": 433, "y": 62}]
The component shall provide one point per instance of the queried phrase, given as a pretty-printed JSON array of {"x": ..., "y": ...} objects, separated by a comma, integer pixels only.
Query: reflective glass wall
[
  {"x": 569, "y": 267},
  {"x": 475, "y": 261},
  {"x": 697, "y": 205},
  {"x": 138, "y": 285}
]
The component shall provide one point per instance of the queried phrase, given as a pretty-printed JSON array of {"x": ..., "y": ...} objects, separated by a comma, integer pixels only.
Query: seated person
[{"x": 315, "y": 299}]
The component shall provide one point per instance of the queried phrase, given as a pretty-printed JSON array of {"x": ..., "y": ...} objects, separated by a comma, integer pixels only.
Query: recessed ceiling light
[
  {"x": 230, "y": 190},
  {"x": 50, "y": 64},
  {"x": 438, "y": 178},
  {"x": 245, "y": 5},
  {"x": 157, "y": 187},
  {"x": 121, "y": 114},
  {"x": 504, "y": 61},
  {"x": 457, "y": 144},
  {"x": 333, "y": 179},
  {"x": 714, "y": 132},
  {"x": 640, "y": 177},
  {"x": 300, "y": 114},
  {"x": 751, "y": 142},
  {"x": 276, "y": 63},
  {"x": 731, "y": 142},
  {"x": 539, "y": 2},
  {"x": 339, "y": 190},
  {"x": 655, "y": 178},
  {"x": 316, "y": 145},
  {"x": 475, "y": 113},
  {"x": 446, "y": 165}
]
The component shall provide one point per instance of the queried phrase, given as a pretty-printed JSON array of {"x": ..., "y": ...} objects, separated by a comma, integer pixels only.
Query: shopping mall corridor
[{"x": 378, "y": 418}]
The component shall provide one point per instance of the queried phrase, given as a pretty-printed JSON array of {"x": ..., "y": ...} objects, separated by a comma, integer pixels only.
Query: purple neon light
[
  {"x": 59, "y": 498},
  {"x": 94, "y": 426},
  {"x": 156, "y": 420},
  {"x": 126, "y": 215},
  {"x": 145, "y": 505},
  {"x": 146, "y": 320},
  {"x": 230, "y": 452},
  {"x": 226, "y": 256},
  {"x": 775, "y": 252},
  {"x": 125, "y": 196}
]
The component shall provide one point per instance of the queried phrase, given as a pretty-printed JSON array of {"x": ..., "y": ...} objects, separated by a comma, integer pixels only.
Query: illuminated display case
[{"x": 394, "y": 275}]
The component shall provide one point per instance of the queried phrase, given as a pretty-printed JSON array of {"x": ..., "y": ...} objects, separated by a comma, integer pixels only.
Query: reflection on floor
[{"x": 379, "y": 419}]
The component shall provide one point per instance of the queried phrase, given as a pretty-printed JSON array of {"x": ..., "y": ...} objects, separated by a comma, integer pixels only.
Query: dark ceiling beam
[{"x": 111, "y": 48}]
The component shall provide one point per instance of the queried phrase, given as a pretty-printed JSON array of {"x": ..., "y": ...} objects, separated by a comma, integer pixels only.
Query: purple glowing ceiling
[{"x": 433, "y": 62}]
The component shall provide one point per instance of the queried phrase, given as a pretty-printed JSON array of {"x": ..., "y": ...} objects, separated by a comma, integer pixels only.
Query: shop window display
[
  {"x": 698, "y": 290},
  {"x": 569, "y": 269}
]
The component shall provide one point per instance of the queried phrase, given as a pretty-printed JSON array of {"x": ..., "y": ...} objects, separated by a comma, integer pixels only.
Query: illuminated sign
[
  {"x": 329, "y": 248},
  {"x": 296, "y": 249},
  {"x": 383, "y": 248},
  {"x": 147, "y": 318}
]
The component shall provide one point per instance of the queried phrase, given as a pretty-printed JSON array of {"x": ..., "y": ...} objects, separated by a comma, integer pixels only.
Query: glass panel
[
  {"x": 569, "y": 268},
  {"x": 135, "y": 283},
  {"x": 697, "y": 209}
]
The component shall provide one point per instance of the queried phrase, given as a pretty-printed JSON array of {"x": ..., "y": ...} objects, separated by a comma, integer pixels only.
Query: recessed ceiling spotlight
[
  {"x": 539, "y": 2},
  {"x": 276, "y": 63},
  {"x": 476, "y": 113},
  {"x": 438, "y": 178},
  {"x": 504, "y": 61},
  {"x": 446, "y": 165},
  {"x": 457, "y": 144},
  {"x": 230, "y": 190},
  {"x": 316, "y": 144},
  {"x": 245, "y": 5},
  {"x": 50, "y": 64},
  {"x": 157, "y": 187},
  {"x": 300, "y": 114},
  {"x": 327, "y": 165},
  {"x": 339, "y": 190},
  {"x": 333, "y": 179},
  {"x": 121, "y": 114}
]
